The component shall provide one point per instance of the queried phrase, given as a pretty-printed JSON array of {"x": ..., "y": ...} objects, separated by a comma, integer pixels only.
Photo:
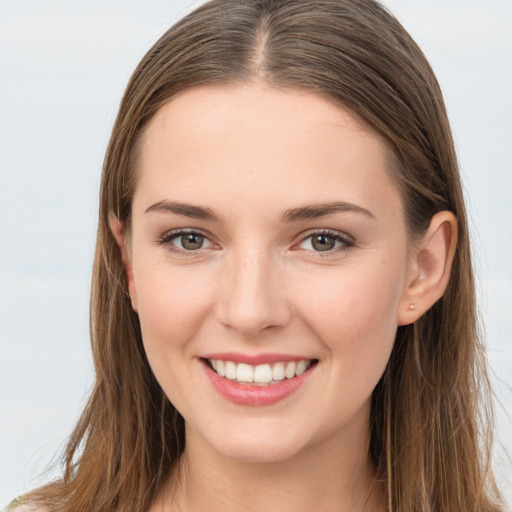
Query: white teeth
[
  {"x": 301, "y": 368},
  {"x": 278, "y": 371},
  {"x": 244, "y": 373},
  {"x": 261, "y": 374},
  {"x": 290, "y": 370},
  {"x": 230, "y": 369}
]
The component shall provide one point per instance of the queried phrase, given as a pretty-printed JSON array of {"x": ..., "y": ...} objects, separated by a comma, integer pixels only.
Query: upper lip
[{"x": 255, "y": 359}]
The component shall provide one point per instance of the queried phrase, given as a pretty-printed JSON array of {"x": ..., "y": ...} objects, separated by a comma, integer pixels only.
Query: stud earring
[{"x": 412, "y": 306}]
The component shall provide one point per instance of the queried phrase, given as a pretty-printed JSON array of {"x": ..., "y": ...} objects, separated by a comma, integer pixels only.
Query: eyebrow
[
  {"x": 309, "y": 212},
  {"x": 315, "y": 211},
  {"x": 187, "y": 210}
]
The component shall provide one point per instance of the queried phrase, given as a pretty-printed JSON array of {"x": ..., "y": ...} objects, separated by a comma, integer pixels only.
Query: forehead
[{"x": 256, "y": 144}]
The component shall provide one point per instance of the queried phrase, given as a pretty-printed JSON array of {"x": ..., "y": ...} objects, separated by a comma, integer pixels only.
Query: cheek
[
  {"x": 354, "y": 318},
  {"x": 171, "y": 306}
]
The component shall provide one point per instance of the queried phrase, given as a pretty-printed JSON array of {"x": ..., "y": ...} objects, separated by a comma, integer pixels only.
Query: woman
[{"x": 283, "y": 305}]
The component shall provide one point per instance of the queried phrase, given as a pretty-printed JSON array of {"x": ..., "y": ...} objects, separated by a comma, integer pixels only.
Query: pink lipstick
[{"x": 232, "y": 376}]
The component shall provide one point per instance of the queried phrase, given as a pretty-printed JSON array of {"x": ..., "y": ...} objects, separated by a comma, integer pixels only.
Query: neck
[{"x": 335, "y": 475}]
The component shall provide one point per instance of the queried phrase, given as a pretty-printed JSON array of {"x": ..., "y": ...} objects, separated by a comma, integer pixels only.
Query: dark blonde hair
[{"x": 430, "y": 440}]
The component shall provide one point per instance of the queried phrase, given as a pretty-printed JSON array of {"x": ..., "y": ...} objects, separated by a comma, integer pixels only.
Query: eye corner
[
  {"x": 340, "y": 242},
  {"x": 168, "y": 238}
]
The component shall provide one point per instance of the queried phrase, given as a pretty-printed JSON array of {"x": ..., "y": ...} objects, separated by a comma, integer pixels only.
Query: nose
[{"x": 252, "y": 296}]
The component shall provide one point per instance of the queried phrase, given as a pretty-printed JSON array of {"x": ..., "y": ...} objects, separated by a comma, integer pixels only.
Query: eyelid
[
  {"x": 169, "y": 236},
  {"x": 346, "y": 240}
]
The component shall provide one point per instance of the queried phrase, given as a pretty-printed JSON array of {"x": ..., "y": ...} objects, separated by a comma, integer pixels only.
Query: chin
[
  {"x": 254, "y": 445},
  {"x": 261, "y": 451}
]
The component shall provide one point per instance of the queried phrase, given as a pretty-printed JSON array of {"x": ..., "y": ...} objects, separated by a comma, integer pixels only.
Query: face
[{"x": 269, "y": 258}]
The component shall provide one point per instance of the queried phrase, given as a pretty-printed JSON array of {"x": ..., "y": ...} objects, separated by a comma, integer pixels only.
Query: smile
[
  {"x": 262, "y": 374},
  {"x": 260, "y": 384}
]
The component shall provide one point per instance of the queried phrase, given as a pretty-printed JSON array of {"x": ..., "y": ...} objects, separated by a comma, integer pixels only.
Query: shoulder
[
  {"x": 23, "y": 508},
  {"x": 22, "y": 505}
]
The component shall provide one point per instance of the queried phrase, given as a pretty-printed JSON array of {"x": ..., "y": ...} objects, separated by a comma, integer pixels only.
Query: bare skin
[{"x": 244, "y": 269}]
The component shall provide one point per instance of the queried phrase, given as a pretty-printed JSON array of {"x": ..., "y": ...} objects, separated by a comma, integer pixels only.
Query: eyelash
[
  {"x": 346, "y": 241},
  {"x": 168, "y": 237}
]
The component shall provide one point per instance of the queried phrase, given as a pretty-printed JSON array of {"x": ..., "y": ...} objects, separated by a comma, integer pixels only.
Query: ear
[
  {"x": 430, "y": 266},
  {"x": 119, "y": 231}
]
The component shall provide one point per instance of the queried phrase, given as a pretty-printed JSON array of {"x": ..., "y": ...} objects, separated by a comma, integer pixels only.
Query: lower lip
[{"x": 256, "y": 396}]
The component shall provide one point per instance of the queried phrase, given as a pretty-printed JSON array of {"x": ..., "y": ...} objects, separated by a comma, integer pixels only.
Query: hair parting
[{"x": 430, "y": 415}]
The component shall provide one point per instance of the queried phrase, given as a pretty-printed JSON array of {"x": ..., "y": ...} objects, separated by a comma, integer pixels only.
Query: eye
[
  {"x": 185, "y": 241},
  {"x": 325, "y": 241},
  {"x": 191, "y": 241}
]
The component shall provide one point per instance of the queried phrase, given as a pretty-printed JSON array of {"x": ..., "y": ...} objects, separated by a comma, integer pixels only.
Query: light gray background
[{"x": 63, "y": 68}]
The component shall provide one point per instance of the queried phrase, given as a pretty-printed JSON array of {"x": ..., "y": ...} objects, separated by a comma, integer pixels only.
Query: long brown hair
[{"x": 430, "y": 438}]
